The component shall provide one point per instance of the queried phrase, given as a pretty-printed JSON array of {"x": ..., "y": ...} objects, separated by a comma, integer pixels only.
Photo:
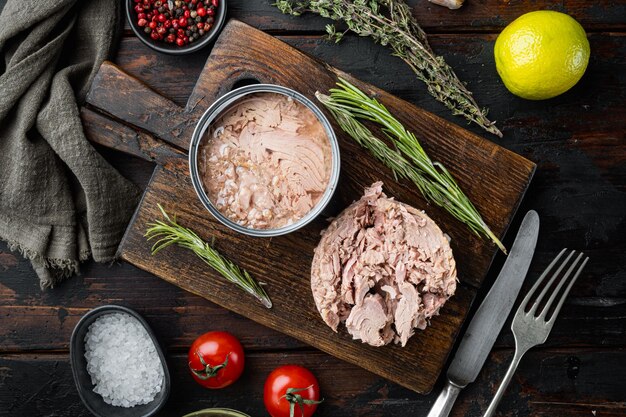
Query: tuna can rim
[{"x": 214, "y": 111}]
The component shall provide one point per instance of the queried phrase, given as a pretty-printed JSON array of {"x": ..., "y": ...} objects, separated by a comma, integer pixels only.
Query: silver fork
[{"x": 531, "y": 330}]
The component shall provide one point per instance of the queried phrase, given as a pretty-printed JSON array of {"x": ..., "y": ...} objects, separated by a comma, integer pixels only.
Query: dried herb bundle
[
  {"x": 389, "y": 22},
  {"x": 407, "y": 159}
]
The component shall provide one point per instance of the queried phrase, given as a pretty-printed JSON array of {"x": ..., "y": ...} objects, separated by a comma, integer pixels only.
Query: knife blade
[{"x": 486, "y": 324}]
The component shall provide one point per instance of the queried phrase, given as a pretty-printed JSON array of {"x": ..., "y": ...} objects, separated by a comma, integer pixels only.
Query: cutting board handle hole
[{"x": 244, "y": 82}]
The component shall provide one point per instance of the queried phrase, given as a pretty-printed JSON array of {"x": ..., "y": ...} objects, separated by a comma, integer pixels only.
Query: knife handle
[{"x": 445, "y": 401}]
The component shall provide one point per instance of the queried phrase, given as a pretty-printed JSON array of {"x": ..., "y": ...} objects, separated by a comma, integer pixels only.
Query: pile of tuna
[{"x": 383, "y": 268}]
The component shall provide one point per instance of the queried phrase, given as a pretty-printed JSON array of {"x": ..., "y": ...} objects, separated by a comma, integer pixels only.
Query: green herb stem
[
  {"x": 169, "y": 232},
  {"x": 408, "y": 160},
  {"x": 390, "y": 22}
]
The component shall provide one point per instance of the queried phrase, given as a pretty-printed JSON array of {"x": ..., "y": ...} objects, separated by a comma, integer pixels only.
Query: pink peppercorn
[{"x": 156, "y": 18}]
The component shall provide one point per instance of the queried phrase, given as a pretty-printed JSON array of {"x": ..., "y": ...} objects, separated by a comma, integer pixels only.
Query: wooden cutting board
[{"x": 125, "y": 114}]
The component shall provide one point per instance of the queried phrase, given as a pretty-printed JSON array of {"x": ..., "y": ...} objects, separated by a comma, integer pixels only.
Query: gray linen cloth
[{"x": 60, "y": 201}]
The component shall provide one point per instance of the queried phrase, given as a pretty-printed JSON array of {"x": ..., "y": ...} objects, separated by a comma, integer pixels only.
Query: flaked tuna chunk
[
  {"x": 370, "y": 320},
  {"x": 383, "y": 268}
]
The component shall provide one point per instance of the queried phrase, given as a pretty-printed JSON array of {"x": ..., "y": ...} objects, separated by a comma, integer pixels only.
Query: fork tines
[
  {"x": 530, "y": 329},
  {"x": 563, "y": 280}
]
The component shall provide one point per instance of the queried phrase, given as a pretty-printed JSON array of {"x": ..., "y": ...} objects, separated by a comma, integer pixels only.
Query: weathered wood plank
[
  {"x": 441, "y": 140},
  {"x": 241, "y": 53},
  {"x": 283, "y": 264},
  {"x": 596, "y": 98},
  {"x": 474, "y": 16},
  {"x": 34, "y": 320},
  {"x": 31, "y": 320},
  {"x": 577, "y": 140},
  {"x": 583, "y": 153},
  {"x": 126, "y": 140},
  {"x": 139, "y": 105},
  {"x": 563, "y": 383}
]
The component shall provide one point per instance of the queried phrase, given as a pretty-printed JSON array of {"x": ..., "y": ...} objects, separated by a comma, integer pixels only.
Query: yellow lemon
[{"x": 541, "y": 54}]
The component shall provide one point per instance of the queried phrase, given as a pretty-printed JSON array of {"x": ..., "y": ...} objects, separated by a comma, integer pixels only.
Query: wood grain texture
[
  {"x": 591, "y": 110},
  {"x": 577, "y": 141},
  {"x": 105, "y": 132},
  {"x": 134, "y": 102},
  {"x": 548, "y": 383},
  {"x": 243, "y": 53},
  {"x": 283, "y": 263},
  {"x": 474, "y": 16},
  {"x": 31, "y": 321}
]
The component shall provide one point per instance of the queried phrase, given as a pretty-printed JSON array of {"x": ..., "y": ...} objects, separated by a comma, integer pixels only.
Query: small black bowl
[
  {"x": 93, "y": 401},
  {"x": 171, "y": 49}
]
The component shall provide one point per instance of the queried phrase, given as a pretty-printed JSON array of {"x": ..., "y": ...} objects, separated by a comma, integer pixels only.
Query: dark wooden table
[{"x": 577, "y": 141}]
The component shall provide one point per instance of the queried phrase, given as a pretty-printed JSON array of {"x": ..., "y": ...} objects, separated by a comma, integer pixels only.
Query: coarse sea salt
[{"x": 122, "y": 360}]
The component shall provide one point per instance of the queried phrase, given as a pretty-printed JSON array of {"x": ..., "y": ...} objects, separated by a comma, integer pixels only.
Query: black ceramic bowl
[
  {"x": 93, "y": 401},
  {"x": 172, "y": 49}
]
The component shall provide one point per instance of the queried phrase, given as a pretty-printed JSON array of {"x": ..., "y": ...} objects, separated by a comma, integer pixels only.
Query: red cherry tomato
[
  {"x": 216, "y": 359},
  {"x": 291, "y": 391}
]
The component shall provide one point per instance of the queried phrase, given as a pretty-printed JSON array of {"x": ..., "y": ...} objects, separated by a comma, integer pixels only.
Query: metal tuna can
[{"x": 216, "y": 110}]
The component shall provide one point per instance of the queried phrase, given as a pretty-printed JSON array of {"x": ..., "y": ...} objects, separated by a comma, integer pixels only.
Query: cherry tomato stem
[
  {"x": 294, "y": 399},
  {"x": 208, "y": 371}
]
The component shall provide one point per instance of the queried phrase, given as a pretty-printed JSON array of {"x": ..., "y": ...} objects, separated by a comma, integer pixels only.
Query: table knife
[{"x": 490, "y": 317}]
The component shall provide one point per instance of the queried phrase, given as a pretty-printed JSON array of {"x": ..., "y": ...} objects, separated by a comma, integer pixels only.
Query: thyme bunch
[
  {"x": 408, "y": 160},
  {"x": 169, "y": 232},
  {"x": 390, "y": 22}
]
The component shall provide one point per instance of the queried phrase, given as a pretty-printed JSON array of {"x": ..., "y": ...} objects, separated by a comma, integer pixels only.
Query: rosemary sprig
[
  {"x": 169, "y": 232},
  {"x": 349, "y": 105},
  {"x": 390, "y": 22}
]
